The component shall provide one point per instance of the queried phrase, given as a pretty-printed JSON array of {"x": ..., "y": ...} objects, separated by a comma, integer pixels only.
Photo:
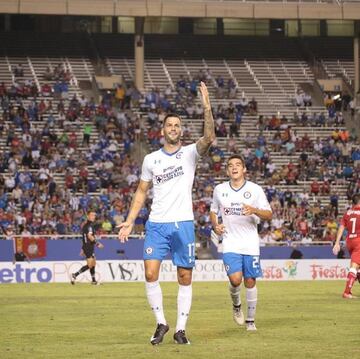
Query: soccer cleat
[
  {"x": 94, "y": 282},
  {"x": 180, "y": 337},
  {"x": 238, "y": 315},
  {"x": 349, "y": 296},
  {"x": 159, "y": 334},
  {"x": 73, "y": 278},
  {"x": 250, "y": 326}
]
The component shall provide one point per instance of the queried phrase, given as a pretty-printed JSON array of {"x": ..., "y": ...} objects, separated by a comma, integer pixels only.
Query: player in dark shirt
[{"x": 88, "y": 246}]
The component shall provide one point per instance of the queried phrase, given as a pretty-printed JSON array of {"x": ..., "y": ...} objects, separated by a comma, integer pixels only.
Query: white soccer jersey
[
  {"x": 241, "y": 234},
  {"x": 172, "y": 176}
]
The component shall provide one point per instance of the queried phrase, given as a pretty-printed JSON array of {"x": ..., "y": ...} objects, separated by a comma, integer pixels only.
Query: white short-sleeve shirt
[
  {"x": 241, "y": 235},
  {"x": 172, "y": 176}
]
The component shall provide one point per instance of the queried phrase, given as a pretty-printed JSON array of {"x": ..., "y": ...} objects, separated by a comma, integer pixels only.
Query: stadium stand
[{"x": 81, "y": 149}]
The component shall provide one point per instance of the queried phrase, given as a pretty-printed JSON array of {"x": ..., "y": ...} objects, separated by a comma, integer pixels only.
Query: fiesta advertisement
[{"x": 133, "y": 271}]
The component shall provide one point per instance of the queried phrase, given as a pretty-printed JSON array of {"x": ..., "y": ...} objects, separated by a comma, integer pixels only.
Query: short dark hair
[
  {"x": 91, "y": 210},
  {"x": 356, "y": 199},
  {"x": 171, "y": 115},
  {"x": 239, "y": 157}
]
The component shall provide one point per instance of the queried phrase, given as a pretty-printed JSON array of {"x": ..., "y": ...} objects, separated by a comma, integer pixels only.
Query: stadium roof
[{"x": 255, "y": 9}]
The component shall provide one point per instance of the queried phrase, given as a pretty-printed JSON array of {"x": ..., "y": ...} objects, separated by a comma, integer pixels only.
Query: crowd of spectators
[
  {"x": 52, "y": 138},
  {"x": 49, "y": 173},
  {"x": 328, "y": 161}
]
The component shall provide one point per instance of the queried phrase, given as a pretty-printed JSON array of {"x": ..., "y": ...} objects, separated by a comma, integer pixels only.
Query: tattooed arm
[{"x": 203, "y": 144}]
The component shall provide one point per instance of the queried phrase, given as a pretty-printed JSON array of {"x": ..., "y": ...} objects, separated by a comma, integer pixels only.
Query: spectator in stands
[
  {"x": 46, "y": 90},
  {"x": 243, "y": 104},
  {"x": 181, "y": 85},
  {"x": 231, "y": 88},
  {"x": 120, "y": 96},
  {"x": 253, "y": 107},
  {"x": 87, "y": 133},
  {"x": 231, "y": 145},
  {"x": 352, "y": 107},
  {"x": 299, "y": 99},
  {"x": 307, "y": 100},
  {"x": 18, "y": 71},
  {"x": 325, "y": 188}
]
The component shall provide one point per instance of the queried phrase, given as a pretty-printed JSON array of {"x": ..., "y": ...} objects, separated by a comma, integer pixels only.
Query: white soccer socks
[
  {"x": 184, "y": 304},
  {"x": 235, "y": 294},
  {"x": 155, "y": 299},
  {"x": 251, "y": 300}
]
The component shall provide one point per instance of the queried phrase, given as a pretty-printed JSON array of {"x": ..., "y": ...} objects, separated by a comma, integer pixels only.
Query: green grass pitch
[{"x": 294, "y": 320}]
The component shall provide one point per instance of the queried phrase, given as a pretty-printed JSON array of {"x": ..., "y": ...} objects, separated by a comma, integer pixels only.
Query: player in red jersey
[{"x": 351, "y": 222}]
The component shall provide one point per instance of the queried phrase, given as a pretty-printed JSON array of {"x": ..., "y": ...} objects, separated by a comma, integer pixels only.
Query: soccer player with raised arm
[
  {"x": 351, "y": 222},
  {"x": 241, "y": 204},
  {"x": 170, "y": 227}
]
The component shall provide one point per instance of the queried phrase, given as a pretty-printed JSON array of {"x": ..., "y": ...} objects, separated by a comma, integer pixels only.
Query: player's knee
[
  {"x": 250, "y": 282},
  {"x": 184, "y": 278},
  {"x": 151, "y": 276},
  {"x": 235, "y": 282}
]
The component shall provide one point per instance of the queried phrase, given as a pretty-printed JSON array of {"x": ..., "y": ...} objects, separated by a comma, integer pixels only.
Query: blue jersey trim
[
  {"x": 237, "y": 190},
  {"x": 170, "y": 154}
]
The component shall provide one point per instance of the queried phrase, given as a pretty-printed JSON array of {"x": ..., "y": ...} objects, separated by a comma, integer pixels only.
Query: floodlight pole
[
  {"x": 356, "y": 65},
  {"x": 139, "y": 53}
]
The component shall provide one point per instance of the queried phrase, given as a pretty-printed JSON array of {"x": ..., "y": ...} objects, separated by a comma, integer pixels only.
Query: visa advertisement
[{"x": 108, "y": 271}]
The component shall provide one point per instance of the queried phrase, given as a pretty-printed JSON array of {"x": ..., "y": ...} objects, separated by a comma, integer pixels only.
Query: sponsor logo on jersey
[
  {"x": 179, "y": 155},
  {"x": 233, "y": 211},
  {"x": 175, "y": 172},
  {"x": 168, "y": 169}
]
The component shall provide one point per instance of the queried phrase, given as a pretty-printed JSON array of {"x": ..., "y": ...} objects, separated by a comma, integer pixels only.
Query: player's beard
[{"x": 172, "y": 141}]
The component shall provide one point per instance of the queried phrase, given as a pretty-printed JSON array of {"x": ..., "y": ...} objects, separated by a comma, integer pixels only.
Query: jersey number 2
[{"x": 191, "y": 247}]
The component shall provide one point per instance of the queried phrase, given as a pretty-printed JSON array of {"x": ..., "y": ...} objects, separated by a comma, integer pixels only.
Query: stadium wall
[
  {"x": 201, "y": 9},
  {"x": 69, "y": 250},
  {"x": 133, "y": 271}
]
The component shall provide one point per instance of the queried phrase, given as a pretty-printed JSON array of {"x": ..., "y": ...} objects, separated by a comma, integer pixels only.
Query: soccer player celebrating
[
  {"x": 170, "y": 227},
  {"x": 88, "y": 246},
  {"x": 241, "y": 205},
  {"x": 351, "y": 222}
]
